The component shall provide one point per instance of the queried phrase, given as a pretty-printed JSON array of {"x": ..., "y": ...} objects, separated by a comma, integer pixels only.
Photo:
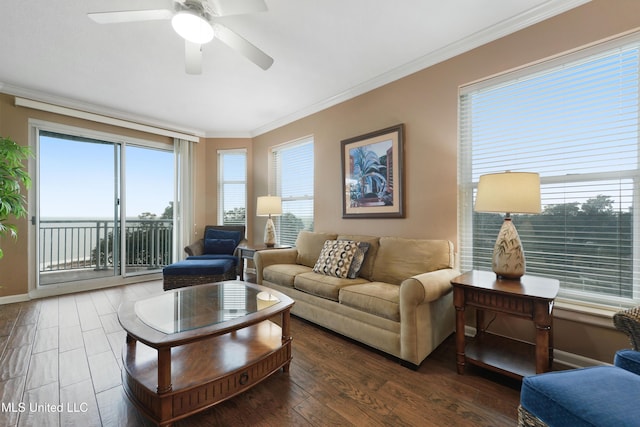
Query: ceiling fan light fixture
[{"x": 192, "y": 27}]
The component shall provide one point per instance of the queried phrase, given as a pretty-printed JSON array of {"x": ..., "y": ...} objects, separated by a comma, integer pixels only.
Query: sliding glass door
[
  {"x": 104, "y": 208},
  {"x": 149, "y": 209}
]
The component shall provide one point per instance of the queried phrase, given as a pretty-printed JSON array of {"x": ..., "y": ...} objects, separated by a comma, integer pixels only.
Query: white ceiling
[{"x": 325, "y": 51}]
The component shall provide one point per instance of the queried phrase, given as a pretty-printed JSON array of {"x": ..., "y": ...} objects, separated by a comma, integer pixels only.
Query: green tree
[
  {"x": 562, "y": 209},
  {"x": 144, "y": 237},
  {"x": 168, "y": 212},
  {"x": 592, "y": 241},
  {"x": 147, "y": 215},
  {"x": 235, "y": 216},
  {"x": 600, "y": 205},
  {"x": 293, "y": 225},
  {"x": 13, "y": 175}
]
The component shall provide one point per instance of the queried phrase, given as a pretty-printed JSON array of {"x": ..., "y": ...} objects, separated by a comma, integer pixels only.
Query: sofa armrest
[
  {"x": 243, "y": 244},
  {"x": 196, "y": 248},
  {"x": 628, "y": 360},
  {"x": 427, "y": 287},
  {"x": 267, "y": 257}
]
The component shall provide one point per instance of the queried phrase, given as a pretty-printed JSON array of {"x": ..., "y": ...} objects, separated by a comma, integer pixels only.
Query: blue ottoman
[
  {"x": 599, "y": 396},
  {"x": 197, "y": 272}
]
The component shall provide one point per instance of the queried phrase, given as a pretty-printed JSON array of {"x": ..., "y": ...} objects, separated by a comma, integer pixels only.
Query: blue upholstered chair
[
  {"x": 216, "y": 244},
  {"x": 600, "y": 396},
  {"x": 213, "y": 258}
]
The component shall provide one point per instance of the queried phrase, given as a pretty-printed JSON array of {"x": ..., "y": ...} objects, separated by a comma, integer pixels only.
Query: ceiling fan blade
[
  {"x": 233, "y": 40},
  {"x": 193, "y": 57},
  {"x": 236, "y": 7},
  {"x": 130, "y": 16},
  {"x": 141, "y": 10}
]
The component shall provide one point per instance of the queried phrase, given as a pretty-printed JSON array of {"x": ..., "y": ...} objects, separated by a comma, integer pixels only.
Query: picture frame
[{"x": 373, "y": 174}]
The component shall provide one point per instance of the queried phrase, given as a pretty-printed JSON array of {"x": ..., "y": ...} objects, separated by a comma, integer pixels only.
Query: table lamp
[
  {"x": 508, "y": 192},
  {"x": 267, "y": 206}
]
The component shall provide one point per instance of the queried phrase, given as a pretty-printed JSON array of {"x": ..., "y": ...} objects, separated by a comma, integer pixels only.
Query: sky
[
  {"x": 77, "y": 179},
  {"x": 575, "y": 124},
  {"x": 295, "y": 180},
  {"x": 234, "y": 175}
]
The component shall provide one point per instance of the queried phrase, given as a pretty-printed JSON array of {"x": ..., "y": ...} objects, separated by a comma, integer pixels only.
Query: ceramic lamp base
[
  {"x": 270, "y": 234},
  {"x": 508, "y": 257}
]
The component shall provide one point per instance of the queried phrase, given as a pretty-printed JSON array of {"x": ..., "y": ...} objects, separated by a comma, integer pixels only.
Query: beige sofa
[{"x": 400, "y": 302}]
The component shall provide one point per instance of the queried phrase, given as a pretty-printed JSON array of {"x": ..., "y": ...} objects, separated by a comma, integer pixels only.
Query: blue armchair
[
  {"x": 216, "y": 244},
  {"x": 600, "y": 396}
]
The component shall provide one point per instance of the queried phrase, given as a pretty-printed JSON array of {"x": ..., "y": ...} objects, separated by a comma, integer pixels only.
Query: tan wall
[
  {"x": 426, "y": 102},
  {"x": 14, "y": 268},
  {"x": 209, "y": 165}
]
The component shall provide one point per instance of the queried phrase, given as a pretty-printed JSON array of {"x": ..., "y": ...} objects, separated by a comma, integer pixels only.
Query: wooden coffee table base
[{"x": 204, "y": 373}]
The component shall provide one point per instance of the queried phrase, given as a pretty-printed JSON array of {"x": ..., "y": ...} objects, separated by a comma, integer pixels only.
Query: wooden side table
[
  {"x": 247, "y": 252},
  {"x": 530, "y": 298}
]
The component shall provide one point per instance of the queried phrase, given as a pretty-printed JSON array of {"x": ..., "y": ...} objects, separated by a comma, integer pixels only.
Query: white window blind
[
  {"x": 574, "y": 120},
  {"x": 232, "y": 187},
  {"x": 292, "y": 179}
]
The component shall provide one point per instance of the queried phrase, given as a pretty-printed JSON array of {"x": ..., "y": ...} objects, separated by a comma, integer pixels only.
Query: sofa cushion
[
  {"x": 219, "y": 246},
  {"x": 336, "y": 258},
  {"x": 198, "y": 267},
  {"x": 283, "y": 274},
  {"x": 381, "y": 299},
  {"x": 399, "y": 258},
  {"x": 374, "y": 243},
  {"x": 231, "y": 258},
  {"x": 323, "y": 286},
  {"x": 309, "y": 245}
]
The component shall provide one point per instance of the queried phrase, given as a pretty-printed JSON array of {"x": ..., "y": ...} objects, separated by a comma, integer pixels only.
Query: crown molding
[
  {"x": 92, "y": 111},
  {"x": 99, "y": 118},
  {"x": 534, "y": 15},
  {"x": 230, "y": 134},
  {"x": 504, "y": 28}
]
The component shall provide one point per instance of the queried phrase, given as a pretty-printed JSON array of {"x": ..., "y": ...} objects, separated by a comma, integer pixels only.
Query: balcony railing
[{"x": 68, "y": 245}]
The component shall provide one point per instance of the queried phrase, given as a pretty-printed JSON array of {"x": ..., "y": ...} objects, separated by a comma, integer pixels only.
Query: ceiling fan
[{"x": 195, "y": 21}]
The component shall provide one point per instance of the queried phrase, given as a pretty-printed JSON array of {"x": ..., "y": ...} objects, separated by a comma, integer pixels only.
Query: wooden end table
[
  {"x": 530, "y": 298},
  {"x": 247, "y": 252}
]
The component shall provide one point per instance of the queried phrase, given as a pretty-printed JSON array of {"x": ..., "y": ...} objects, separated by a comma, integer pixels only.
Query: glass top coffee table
[{"x": 190, "y": 348}]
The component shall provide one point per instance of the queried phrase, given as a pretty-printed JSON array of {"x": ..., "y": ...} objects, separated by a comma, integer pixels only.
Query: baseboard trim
[
  {"x": 572, "y": 360},
  {"x": 14, "y": 298},
  {"x": 65, "y": 289}
]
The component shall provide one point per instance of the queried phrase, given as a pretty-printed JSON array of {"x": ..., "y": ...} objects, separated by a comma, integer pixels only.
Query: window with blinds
[
  {"x": 232, "y": 187},
  {"x": 574, "y": 120},
  {"x": 292, "y": 179}
]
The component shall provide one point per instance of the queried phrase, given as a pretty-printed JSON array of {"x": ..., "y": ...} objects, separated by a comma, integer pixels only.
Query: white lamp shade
[
  {"x": 509, "y": 192},
  {"x": 193, "y": 27},
  {"x": 269, "y": 205}
]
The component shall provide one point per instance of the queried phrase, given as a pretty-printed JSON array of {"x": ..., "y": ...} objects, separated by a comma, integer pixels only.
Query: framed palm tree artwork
[{"x": 372, "y": 172}]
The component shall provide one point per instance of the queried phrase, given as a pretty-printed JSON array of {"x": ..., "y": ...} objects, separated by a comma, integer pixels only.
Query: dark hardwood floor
[{"x": 60, "y": 366}]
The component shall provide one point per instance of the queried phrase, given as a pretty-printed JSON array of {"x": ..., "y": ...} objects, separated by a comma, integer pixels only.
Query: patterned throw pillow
[
  {"x": 335, "y": 258},
  {"x": 358, "y": 259}
]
